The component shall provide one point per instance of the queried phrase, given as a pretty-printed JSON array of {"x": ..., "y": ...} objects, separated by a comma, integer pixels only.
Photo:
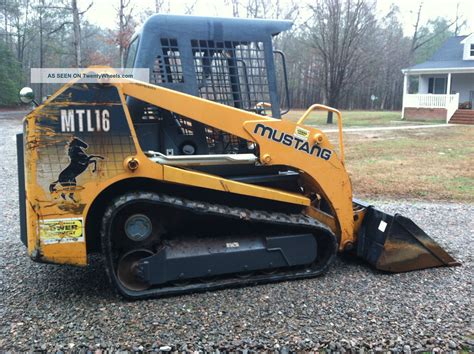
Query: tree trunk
[
  {"x": 121, "y": 33},
  {"x": 235, "y": 8},
  {"x": 5, "y": 14},
  {"x": 329, "y": 119},
  {"x": 41, "y": 48},
  {"x": 77, "y": 33}
]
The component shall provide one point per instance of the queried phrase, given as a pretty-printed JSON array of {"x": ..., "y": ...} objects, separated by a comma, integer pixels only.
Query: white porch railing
[
  {"x": 449, "y": 102},
  {"x": 452, "y": 104}
]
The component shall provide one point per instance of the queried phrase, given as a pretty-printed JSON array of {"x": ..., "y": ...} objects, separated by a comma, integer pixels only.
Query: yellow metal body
[
  {"x": 315, "y": 107},
  {"x": 310, "y": 152}
]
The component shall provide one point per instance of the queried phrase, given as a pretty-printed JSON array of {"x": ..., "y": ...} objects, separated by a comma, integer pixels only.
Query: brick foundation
[{"x": 425, "y": 114}]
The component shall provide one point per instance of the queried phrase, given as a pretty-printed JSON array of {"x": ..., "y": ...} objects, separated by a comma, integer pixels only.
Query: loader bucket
[{"x": 394, "y": 243}]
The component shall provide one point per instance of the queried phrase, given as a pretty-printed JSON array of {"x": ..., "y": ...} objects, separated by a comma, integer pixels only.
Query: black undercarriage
[{"x": 198, "y": 246}]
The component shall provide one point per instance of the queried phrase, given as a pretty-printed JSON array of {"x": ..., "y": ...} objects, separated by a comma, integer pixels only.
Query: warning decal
[
  {"x": 301, "y": 133},
  {"x": 61, "y": 231}
]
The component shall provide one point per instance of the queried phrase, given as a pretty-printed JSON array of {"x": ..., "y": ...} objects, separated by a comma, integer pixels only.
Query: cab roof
[{"x": 215, "y": 28}]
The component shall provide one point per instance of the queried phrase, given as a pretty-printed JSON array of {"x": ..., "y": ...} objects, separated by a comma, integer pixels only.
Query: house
[{"x": 445, "y": 84}]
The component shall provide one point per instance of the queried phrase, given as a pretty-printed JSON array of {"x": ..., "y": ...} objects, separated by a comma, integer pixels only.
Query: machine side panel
[{"x": 75, "y": 144}]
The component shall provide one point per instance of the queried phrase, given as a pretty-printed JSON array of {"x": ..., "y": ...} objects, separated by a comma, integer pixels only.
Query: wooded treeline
[{"x": 339, "y": 52}]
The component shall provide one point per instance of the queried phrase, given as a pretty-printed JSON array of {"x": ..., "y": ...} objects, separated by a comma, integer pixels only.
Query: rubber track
[{"x": 299, "y": 221}]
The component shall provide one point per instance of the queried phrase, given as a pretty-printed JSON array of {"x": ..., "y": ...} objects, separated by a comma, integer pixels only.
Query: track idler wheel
[{"x": 127, "y": 272}]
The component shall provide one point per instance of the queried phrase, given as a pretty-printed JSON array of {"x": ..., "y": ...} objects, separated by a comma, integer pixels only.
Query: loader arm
[{"x": 280, "y": 142}]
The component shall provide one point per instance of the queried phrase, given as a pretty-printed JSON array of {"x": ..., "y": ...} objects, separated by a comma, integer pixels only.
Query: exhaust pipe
[{"x": 394, "y": 243}]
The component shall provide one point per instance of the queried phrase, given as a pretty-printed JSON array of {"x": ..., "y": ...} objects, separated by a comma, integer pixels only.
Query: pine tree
[{"x": 10, "y": 77}]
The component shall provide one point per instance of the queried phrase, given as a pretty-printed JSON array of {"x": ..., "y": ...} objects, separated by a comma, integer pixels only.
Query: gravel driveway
[{"x": 60, "y": 307}]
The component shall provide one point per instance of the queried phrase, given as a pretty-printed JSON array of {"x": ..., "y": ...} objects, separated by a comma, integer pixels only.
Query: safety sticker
[
  {"x": 61, "y": 231},
  {"x": 302, "y": 133},
  {"x": 382, "y": 225}
]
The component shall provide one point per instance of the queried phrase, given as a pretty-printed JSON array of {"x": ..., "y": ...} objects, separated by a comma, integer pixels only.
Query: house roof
[
  {"x": 468, "y": 38},
  {"x": 449, "y": 56}
]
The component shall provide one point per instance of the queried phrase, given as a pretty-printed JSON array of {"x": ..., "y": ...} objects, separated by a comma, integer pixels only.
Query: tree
[
  {"x": 20, "y": 27},
  {"x": 77, "y": 32},
  {"x": 162, "y": 6},
  {"x": 126, "y": 26},
  {"x": 76, "y": 20},
  {"x": 437, "y": 30},
  {"x": 9, "y": 8},
  {"x": 264, "y": 8},
  {"x": 97, "y": 48},
  {"x": 189, "y": 7},
  {"x": 393, "y": 50},
  {"x": 10, "y": 76},
  {"x": 51, "y": 20},
  {"x": 459, "y": 22},
  {"x": 235, "y": 6},
  {"x": 76, "y": 14},
  {"x": 338, "y": 31}
]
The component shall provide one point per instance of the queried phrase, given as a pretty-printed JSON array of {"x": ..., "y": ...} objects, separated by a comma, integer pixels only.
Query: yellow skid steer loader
[{"x": 193, "y": 181}]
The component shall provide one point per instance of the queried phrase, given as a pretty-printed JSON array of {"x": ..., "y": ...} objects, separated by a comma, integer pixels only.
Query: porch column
[
  {"x": 448, "y": 85},
  {"x": 448, "y": 101},
  {"x": 405, "y": 91}
]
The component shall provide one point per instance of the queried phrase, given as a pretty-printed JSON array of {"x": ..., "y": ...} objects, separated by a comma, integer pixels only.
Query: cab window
[{"x": 131, "y": 53}]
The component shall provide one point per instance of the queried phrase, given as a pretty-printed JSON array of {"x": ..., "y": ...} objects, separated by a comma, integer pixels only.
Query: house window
[
  {"x": 472, "y": 50},
  {"x": 437, "y": 85}
]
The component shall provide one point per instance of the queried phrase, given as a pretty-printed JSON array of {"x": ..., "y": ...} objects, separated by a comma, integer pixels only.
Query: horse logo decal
[{"x": 79, "y": 161}]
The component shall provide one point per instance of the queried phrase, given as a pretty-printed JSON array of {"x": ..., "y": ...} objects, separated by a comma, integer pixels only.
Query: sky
[{"x": 102, "y": 11}]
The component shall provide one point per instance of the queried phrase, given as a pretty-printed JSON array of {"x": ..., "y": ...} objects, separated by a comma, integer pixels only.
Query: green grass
[
  {"x": 462, "y": 185},
  {"x": 355, "y": 119},
  {"x": 429, "y": 164}
]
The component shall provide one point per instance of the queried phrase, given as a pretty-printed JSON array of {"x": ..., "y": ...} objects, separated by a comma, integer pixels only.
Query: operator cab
[{"x": 226, "y": 60}]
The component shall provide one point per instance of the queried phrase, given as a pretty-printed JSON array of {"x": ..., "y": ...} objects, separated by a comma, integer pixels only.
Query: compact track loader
[{"x": 193, "y": 181}]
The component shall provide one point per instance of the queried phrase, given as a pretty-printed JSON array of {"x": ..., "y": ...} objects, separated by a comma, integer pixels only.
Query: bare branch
[
  {"x": 59, "y": 28},
  {"x": 88, "y": 8},
  {"x": 189, "y": 8}
]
